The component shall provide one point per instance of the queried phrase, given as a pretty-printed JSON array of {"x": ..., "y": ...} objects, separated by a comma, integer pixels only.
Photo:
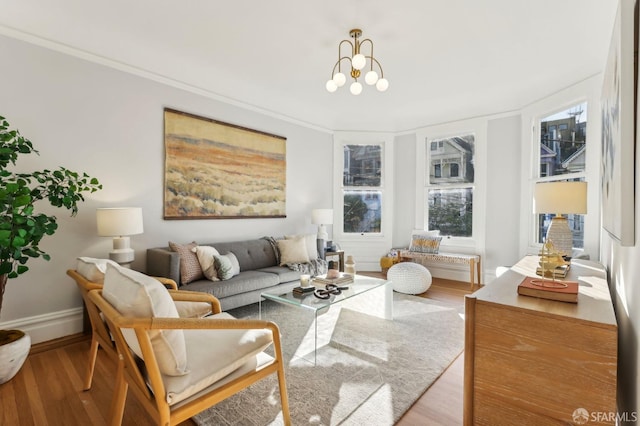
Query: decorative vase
[
  {"x": 350, "y": 266},
  {"x": 14, "y": 348}
]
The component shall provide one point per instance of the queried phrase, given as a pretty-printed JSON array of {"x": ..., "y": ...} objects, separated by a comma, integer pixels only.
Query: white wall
[
  {"x": 93, "y": 118},
  {"x": 623, "y": 267},
  {"x": 502, "y": 218}
]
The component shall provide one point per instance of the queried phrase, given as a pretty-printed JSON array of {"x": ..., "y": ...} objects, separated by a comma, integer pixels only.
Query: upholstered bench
[
  {"x": 409, "y": 278},
  {"x": 473, "y": 260}
]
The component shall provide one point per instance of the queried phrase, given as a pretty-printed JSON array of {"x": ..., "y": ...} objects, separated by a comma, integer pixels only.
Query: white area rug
[{"x": 370, "y": 372}]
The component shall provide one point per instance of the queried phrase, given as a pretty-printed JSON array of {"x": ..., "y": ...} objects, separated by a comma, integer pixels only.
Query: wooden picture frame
[
  {"x": 617, "y": 164},
  {"x": 216, "y": 170}
]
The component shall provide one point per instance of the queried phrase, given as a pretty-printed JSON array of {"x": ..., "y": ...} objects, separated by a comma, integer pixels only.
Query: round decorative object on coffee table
[{"x": 409, "y": 278}]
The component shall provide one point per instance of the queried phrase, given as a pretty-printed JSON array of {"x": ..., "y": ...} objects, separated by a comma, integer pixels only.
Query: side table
[{"x": 340, "y": 254}]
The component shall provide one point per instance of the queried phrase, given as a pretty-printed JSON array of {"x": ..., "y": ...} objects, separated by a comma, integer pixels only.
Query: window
[
  {"x": 562, "y": 154},
  {"x": 449, "y": 186},
  {"x": 362, "y": 184}
]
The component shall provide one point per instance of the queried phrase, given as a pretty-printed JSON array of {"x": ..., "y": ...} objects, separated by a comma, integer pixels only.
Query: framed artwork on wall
[
  {"x": 617, "y": 164},
  {"x": 216, "y": 170}
]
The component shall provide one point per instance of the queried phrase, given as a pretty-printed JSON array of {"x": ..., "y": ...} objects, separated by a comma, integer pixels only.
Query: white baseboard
[{"x": 48, "y": 326}]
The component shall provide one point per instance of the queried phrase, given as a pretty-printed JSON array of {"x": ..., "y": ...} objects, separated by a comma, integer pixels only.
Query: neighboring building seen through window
[
  {"x": 563, "y": 149},
  {"x": 362, "y": 188},
  {"x": 450, "y": 184}
]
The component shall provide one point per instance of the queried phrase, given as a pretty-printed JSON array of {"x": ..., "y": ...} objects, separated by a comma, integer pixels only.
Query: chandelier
[{"x": 357, "y": 62}]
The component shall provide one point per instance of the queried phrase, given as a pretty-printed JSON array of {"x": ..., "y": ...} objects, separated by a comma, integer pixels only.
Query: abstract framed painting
[
  {"x": 617, "y": 164},
  {"x": 216, "y": 170}
]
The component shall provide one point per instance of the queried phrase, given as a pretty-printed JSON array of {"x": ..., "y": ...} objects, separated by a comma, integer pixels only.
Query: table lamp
[
  {"x": 560, "y": 198},
  {"x": 322, "y": 217},
  {"x": 119, "y": 223}
]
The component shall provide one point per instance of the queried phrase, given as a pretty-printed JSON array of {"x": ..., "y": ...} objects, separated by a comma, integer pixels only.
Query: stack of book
[
  {"x": 303, "y": 290},
  {"x": 558, "y": 272},
  {"x": 554, "y": 290},
  {"x": 342, "y": 279}
]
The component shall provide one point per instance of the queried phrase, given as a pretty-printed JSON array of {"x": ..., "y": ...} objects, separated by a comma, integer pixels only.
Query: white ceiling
[{"x": 445, "y": 59}]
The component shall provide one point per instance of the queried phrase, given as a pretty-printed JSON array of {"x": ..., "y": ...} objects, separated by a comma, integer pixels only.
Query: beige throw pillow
[
  {"x": 138, "y": 295},
  {"x": 293, "y": 251},
  {"x": 310, "y": 241},
  {"x": 205, "y": 259}
]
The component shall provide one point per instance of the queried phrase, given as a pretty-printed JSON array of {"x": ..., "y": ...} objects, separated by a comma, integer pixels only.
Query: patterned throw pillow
[
  {"x": 425, "y": 244},
  {"x": 190, "y": 269},
  {"x": 226, "y": 265}
]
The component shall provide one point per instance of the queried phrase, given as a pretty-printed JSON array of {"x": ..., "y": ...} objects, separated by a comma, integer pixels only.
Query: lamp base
[
  {"x": 122, "y": 253},
  {"x": 321, "y": 245},
  {"x": 560, "y": 235}
]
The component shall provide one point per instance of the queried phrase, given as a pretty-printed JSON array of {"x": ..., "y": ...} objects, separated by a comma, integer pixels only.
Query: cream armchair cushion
[
  {"x": 93, "y": 269},
  {"x": 138, "y": 295},
  {"x": 214, "y": 354}
]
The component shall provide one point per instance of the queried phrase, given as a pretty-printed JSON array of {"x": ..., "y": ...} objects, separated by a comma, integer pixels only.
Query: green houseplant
[{"x": 22, "y": 227}]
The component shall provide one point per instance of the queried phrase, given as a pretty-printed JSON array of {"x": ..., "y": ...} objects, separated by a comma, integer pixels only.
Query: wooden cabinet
[{"x": 530, "y": 361}]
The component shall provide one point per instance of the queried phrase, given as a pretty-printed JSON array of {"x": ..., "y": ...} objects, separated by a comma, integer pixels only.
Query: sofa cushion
[
  {"x": 293, "y": 251},
  {"x": 93, "y": 269},
  {"x": 251, "y": 254},
  {"x": 138, "y": 295},
  {"x": 244, "y": 282},
  {"x": 205, "y": 259},
  {"x": 190, "y": 269},
  {"x": 284, "y": 274}
]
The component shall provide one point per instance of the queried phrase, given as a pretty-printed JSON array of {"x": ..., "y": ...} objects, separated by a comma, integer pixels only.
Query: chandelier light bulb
[
  {"x": 331, "y": 86},
  {"x": 382, "y": 85},
  {"x": 339, "y": 79},
  {"x": 355, "y": 88},
  {"x": 358, "y": 61},
  {"x": 371, "y": 77}
]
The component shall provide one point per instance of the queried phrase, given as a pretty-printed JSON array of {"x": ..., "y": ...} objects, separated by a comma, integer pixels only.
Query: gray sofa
[{"x": 259, "y": 272}]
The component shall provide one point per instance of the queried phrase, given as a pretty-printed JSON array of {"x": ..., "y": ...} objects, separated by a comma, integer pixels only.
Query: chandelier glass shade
[{"x": 357, "y": 62}]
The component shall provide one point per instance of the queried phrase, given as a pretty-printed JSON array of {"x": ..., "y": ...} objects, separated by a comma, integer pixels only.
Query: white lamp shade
[
  {"x": 355, "y": 88},
  {"x": 331, "y": 86},
  {"x": 340, "y": 79},
  {"x": 322, "y": 216},
  {"x": 560, "y": 198},
  {"x": 371, "y": 77},
  {"x": 119, "y": 221},
  {"x": 382, "y": 84},
  {"x": 358, "y": 61}
]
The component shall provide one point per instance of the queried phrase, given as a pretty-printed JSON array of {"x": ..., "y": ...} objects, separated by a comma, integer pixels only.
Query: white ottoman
[{"x": 409, "y": 278}]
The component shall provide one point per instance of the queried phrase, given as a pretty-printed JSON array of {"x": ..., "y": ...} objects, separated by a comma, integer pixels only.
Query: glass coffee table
[{"x": 372, "y": 296}]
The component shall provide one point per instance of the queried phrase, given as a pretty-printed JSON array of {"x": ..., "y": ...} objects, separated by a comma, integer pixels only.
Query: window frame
[
  {"x": 385, "y": 140},
  {"x": 424, "y": 137},
  {"x": 586, "y": 91}
]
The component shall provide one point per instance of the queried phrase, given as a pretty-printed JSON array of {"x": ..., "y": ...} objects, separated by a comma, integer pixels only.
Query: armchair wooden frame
[
  {"x": 100, "y": 336},
  {"x": 150, "y": 390}
]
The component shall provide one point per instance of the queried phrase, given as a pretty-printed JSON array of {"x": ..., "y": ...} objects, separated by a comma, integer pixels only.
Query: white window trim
[
  {"x": 386, "y": 227},
  {"x": 585, "y": 91},
  {"x": 478, "y": 127}
]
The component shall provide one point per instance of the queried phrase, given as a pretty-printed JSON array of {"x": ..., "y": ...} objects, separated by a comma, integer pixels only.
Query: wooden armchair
[
  {"x": 100, "y": 336},
  {"x": 222, "y": 355}
]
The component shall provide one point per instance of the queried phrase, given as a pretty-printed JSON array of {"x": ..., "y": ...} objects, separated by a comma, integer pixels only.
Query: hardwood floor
[{"x": 48, "y": 388}]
